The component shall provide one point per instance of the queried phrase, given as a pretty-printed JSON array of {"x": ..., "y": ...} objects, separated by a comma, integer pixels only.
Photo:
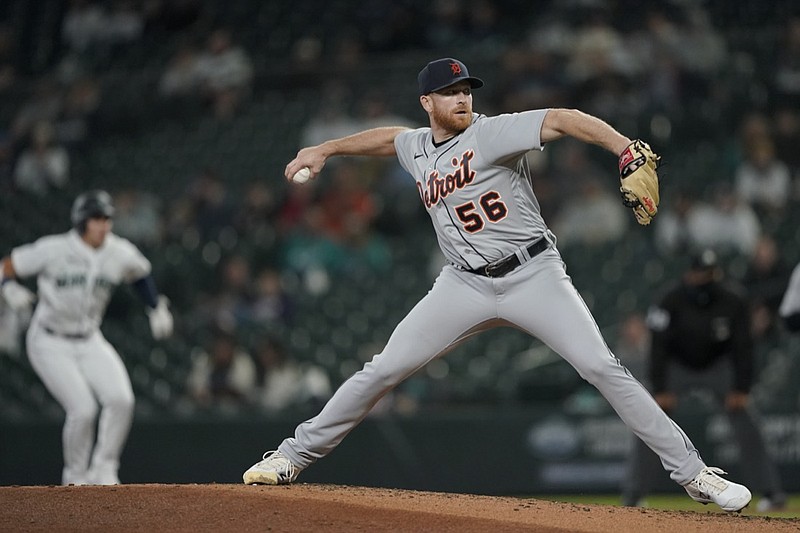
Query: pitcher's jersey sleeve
[
  {"x": 411, "y": 143},
  {"x": 508, "y": 136}
]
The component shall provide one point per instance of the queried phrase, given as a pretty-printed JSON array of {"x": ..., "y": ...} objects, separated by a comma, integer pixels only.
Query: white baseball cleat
[
  {"x": 274, "y": 469},
  {"x": 709, "y": 487}
]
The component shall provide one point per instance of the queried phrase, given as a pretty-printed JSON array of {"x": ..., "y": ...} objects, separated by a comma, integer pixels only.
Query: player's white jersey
[
  {"x": 477, "y": 186},
  {"x": 75, "y": 281}
]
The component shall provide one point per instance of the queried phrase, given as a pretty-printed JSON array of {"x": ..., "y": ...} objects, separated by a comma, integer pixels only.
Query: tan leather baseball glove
[{"x": 639, "y": 180}]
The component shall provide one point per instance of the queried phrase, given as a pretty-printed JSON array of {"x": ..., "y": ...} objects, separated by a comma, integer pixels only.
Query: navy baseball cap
[{"x": 442, "y": 73}]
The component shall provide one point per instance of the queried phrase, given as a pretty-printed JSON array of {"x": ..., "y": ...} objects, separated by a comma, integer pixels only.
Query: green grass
[{"x": 674, "y": 502}]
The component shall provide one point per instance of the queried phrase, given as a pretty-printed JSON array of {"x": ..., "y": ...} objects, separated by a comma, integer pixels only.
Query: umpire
[{"x": 701, "y": 342}]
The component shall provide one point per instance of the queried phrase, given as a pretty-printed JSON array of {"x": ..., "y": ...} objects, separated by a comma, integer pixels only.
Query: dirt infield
[{"x": 334, "y": 508}]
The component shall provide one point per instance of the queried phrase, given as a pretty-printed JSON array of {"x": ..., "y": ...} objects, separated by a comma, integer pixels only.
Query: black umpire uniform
[{"x": 701, "y": 342}]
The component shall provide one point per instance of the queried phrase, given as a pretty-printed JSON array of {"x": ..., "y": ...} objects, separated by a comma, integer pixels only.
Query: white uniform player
[
  {"x": 76, "y": 273},
  {"x": 504, "y": 269},
  {"x": 790, "y": 305}
]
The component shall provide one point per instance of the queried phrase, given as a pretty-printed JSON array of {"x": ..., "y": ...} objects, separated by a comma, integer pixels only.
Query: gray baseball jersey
[{"x": 479, "y": 218}]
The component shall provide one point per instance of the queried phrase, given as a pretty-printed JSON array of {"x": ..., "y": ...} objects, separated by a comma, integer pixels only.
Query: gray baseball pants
[{"x": 539, "y": 298}]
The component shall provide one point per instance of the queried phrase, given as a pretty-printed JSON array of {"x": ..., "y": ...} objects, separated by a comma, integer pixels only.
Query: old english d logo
[{"x": 456, "y": 68}]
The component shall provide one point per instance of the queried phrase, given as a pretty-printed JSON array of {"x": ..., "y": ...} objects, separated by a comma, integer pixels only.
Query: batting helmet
[{"x": 91, "y": 204}]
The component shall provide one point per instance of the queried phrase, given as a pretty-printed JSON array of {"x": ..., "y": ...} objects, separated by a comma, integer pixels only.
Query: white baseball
[{"x": 302, "y": 175}]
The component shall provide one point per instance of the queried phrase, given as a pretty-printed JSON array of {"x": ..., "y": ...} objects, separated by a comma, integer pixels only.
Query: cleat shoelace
[
  {"x": 283, "y": 466},
  {"x": 709, "y": 482}
]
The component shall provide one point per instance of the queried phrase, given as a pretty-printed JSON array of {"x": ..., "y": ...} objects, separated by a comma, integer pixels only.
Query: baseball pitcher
[
  {"x": 76, "y": 273},
  {"x": 504, "y": 268}
]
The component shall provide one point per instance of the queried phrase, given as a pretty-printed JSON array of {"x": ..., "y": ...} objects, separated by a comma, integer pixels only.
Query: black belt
[
  {"x": 72, "y": 336},
  {"x": 502, "y": 267}
]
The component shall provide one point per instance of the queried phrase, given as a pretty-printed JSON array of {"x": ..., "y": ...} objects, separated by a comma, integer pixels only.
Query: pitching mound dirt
[{"x": 334, "y": 508}]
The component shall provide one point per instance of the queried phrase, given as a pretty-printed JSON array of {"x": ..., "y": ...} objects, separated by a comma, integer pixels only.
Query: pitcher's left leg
[{"x": 541, "y": 299}]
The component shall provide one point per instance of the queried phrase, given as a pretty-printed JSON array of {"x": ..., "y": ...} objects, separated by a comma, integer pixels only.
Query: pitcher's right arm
[{"x": 372, "y": 142}]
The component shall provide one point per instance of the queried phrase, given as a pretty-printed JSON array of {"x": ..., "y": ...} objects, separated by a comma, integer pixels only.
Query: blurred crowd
[{"x": 718, "y": 95}]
